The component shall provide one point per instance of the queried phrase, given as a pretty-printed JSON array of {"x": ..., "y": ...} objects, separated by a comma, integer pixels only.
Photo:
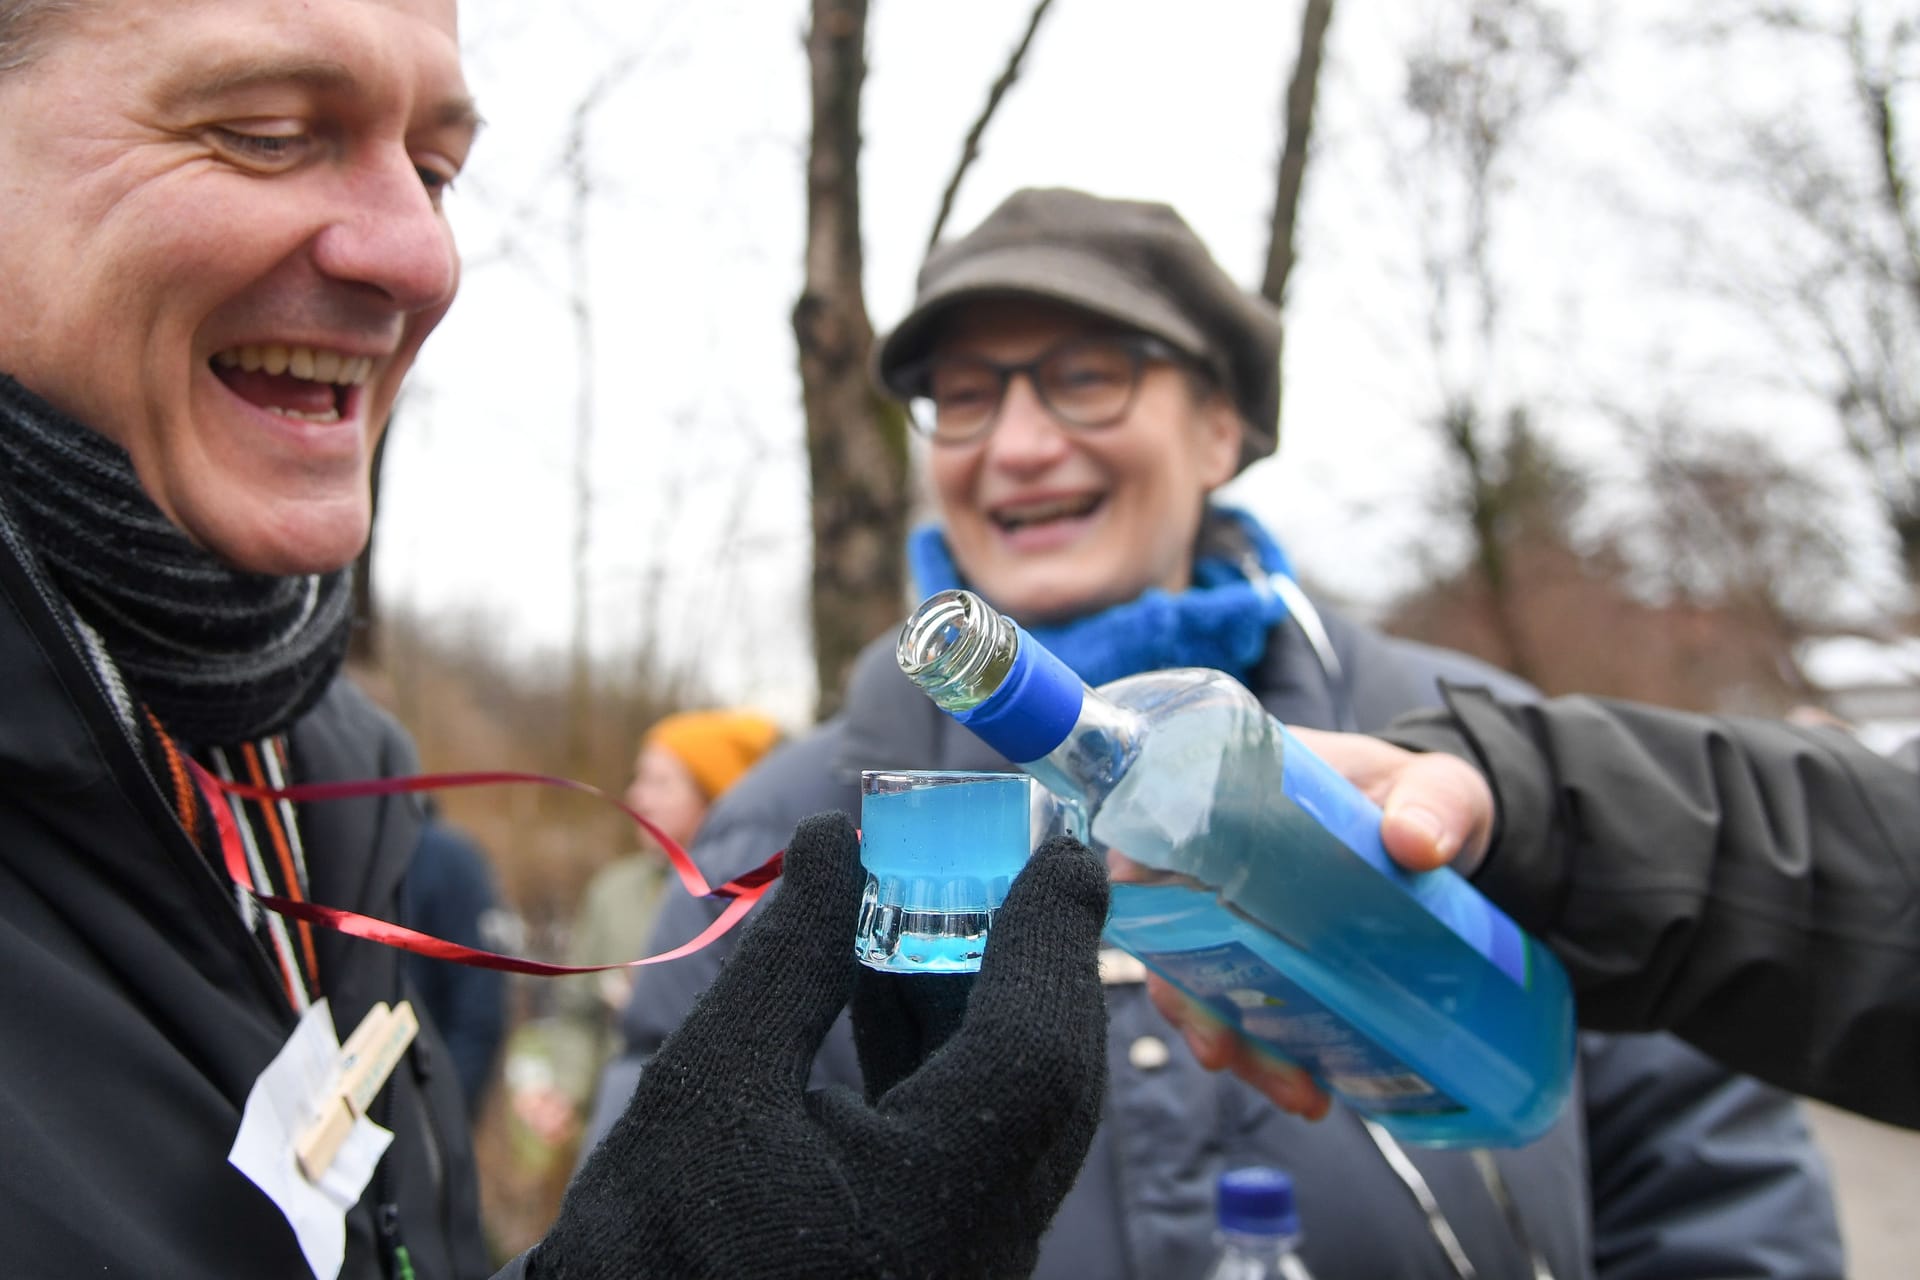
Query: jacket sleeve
[
  {"x": 1752, "y": 886},
  {"x": 1698, "y": 1172}
]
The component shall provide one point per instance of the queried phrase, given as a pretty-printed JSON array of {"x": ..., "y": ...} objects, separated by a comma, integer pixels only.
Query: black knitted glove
[{"x": 982, "y": 1098}]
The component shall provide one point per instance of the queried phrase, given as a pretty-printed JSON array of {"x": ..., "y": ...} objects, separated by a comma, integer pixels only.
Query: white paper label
[{"x": 284, "y": 1101}]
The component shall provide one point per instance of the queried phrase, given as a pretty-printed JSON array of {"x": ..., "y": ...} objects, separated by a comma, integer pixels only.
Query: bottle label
[
  {"x": 1265, "y": 1005},
  {"x": 1350, "y": 817}
]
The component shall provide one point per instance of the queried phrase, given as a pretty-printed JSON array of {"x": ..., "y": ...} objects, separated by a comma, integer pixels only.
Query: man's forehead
[
  {"x": 217, "y": 46},
  {"x": 219, "y": 74}
]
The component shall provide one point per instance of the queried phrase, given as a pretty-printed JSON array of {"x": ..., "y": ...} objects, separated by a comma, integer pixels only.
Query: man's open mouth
[
  {"x": 310, "y": 384},
  {"x": 1016, "y": 516}
]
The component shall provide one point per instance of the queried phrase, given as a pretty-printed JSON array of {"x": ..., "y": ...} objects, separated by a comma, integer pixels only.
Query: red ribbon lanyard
[{"x": 743, "y": 890}]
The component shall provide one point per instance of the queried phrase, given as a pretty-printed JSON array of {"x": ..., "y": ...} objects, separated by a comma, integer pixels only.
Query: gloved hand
[{"x": 983, "y": 1095}]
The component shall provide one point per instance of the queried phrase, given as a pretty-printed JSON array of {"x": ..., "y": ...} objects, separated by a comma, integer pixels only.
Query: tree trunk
[
  {"x": 856, "y": 440},
  {"x": 1298, "y": 132}
]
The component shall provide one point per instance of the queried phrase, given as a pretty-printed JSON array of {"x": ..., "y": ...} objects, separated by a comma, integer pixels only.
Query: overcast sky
[{"x": 694, "y": 231}]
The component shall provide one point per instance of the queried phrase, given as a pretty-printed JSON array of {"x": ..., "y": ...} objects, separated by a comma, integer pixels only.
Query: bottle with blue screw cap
[
  {"x": 1269, "y": 899},
  {"x": 1259, "y": 1228}
]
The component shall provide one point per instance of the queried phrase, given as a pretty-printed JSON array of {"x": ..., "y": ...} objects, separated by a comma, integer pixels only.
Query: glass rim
[{"x": 889, "y": 781}]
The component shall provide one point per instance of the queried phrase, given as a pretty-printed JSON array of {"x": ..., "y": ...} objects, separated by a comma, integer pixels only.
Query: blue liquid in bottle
[{"x": 1409, "y": 997}]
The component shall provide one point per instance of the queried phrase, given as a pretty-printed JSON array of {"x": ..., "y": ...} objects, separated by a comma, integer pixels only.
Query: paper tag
[{"x": 283, "y": 1103}]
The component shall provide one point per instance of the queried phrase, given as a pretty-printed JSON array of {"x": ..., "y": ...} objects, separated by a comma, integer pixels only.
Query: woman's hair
[
  {"x": 24, "y": 25},
  {"x": 717, "y": 746}
]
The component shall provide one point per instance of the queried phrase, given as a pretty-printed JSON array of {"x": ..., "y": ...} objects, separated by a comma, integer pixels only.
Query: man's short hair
[{"x": 23, "y": 28}]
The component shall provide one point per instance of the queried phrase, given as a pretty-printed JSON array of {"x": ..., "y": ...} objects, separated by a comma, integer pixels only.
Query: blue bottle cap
[
  {"x": 1035, "y": 707},
  {"x": 1258, "y": 1201}
]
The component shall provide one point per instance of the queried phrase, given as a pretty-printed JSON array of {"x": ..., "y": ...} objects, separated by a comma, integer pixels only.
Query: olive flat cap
[{"x": 1132, "y": 262}]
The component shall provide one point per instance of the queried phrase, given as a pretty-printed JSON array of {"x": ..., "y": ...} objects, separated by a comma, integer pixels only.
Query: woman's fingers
[{"x": 1218, "y": 1047}]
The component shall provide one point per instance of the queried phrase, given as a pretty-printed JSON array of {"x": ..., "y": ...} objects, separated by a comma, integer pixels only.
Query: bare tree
[
  {"x": 856, "y": 440},
  {"x": 1733, "y": 525},
  {"x": 576, "y": 164},
  {"x": 1839, "y": 282},
  {"x": 1477, "y": 89},
  {"x": 970, "y": 149},
  {"x": 1297, "y": 133}
]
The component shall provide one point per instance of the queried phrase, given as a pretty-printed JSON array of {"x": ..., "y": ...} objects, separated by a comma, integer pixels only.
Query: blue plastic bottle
[{"x": 1409, "y": 997}]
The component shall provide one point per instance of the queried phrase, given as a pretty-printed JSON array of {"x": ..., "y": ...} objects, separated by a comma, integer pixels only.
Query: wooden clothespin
[{"x": 366, "y": 1060}]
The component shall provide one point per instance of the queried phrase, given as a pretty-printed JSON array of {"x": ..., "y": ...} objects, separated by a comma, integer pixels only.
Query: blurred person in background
[
  {"x": 686, "y": 761},
  {"x": 450, "y": 892},
  {"x": 1086, "y": 377}
]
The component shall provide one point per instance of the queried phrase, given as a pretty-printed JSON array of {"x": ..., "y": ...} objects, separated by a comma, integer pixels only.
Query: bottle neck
[
  {"x": 1258, "y": 1244},
  {"x": 1096, "y": 753},
  {"x": 996, "y": 679}
]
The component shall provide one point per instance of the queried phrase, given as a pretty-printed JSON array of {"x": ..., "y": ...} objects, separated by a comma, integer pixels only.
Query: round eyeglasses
[{"x": 1084, "y": 382}]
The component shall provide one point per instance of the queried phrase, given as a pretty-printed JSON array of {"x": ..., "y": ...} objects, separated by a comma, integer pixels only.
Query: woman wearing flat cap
[{"x": 1085, "y": 378}]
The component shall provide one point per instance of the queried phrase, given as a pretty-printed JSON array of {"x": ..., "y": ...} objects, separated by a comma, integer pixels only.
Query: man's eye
[
  {"x": 437, "y": 182},
  {"x": 265, "y": 147}
]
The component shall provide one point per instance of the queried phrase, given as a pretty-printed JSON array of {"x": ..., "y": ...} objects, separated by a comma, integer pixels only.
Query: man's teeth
[{"x": 310, "y": 364}]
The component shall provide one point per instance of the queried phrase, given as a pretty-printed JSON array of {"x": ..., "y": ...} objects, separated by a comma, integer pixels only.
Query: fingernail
[{"x": 1426, "y": 823}]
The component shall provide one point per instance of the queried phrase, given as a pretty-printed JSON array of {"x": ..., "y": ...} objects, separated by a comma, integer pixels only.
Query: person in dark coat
[
  {"x": 1086, "y": 377},
  {"x": 449, "y": 892}
]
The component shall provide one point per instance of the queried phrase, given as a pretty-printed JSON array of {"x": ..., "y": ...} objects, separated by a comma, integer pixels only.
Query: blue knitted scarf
[{"x": 1221, "y": 621}]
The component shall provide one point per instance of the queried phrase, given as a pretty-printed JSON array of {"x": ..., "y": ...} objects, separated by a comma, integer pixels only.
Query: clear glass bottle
[
  {"x": 1258, "y": 1233},
  {"x": 1409, "y": 997}
]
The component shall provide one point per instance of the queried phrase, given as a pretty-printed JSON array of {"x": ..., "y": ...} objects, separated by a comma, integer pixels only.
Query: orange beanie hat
[{"x": 716, "y": 746}]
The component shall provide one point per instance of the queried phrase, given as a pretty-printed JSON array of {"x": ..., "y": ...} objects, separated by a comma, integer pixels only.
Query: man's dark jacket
[
  {"x": 1666, "y": 1166},
  {"x": 1750, "y": 885},
  {"x": 137, "y": 1009}
]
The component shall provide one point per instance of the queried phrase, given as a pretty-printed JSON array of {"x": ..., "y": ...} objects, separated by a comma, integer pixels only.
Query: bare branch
[
  {"x": 970, "y": 149},
  {"x": 1877, "y": 97}
]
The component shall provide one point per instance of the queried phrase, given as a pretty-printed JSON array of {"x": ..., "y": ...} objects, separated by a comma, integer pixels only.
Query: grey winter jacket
[
  {"x": 1665, "y": 1167},
  {"x": 1749, "y": 885}
]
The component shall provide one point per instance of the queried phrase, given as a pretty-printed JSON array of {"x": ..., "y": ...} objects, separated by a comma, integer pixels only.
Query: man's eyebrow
[
  {"x": 320, "y": 75},
  {"x": 222, "y": 81},
  {"x": 459, "y": 113}
]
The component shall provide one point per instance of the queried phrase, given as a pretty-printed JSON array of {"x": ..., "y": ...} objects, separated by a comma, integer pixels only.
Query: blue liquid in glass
[{"x": 940, "y": 850}]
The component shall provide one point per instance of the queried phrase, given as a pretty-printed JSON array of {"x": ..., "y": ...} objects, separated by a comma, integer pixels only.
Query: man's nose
[{"x": 391, "y": 236}]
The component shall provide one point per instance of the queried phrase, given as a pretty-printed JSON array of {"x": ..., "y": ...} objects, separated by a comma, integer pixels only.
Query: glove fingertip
[
  {"x": 1063, "y": 872},
  {"x": 822, "y": 861}
]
